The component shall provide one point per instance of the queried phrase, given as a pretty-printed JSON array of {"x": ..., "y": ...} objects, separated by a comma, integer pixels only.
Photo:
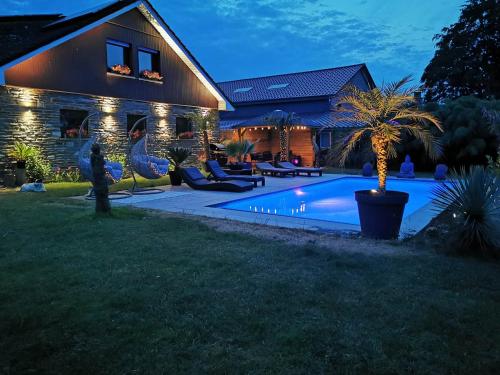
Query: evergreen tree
[{"x": 467, "y": 58}]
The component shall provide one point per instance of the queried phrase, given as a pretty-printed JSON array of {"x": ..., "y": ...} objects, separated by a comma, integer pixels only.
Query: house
[
  {"x": 116, "y": 63},
  {"x": 312, "y": 96}
]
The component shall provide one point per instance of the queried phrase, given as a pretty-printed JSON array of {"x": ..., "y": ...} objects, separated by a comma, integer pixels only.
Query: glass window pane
[
  {"x": 70, "y": 122},
  {"x": 116, "y": 55},
  {"x": 183, "y": 128},
  {"x": 145, "y": 61},
  {"x": 325, "y": 140}
]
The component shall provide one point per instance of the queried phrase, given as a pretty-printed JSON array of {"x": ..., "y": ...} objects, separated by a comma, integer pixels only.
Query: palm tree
[
  {"x": 204, "y": 121},
  {"x": 240, "y": 150},
  {"x": 383, "y": 115},
  {"x": 283, "y": 121}
]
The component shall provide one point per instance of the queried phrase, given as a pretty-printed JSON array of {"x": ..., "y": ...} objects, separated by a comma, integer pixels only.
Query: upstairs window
[
  {"x": 140, "y": 129},
  {"x": 70, "y": 121},
  {"x": 118, "y": 57},
  {"x": 184, "y": 128},
  {"x": 149, "y": 64}
]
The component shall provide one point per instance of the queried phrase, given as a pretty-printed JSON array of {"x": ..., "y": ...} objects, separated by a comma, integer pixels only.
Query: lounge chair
[
  {"x": 299, "y": 170},
  {"x": 367, "y": 170},
  {"x": 268, "y": 169},
  {"x": 407, "y": 169},
  {"x": 193, "y": 177},
  {"x": 441, "y": 170},
  {"x": 219, "y": 175}
]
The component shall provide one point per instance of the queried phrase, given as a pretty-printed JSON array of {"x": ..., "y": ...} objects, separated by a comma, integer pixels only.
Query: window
[
  {"x": 243, "y": 89},
  {"x": 149, "y": 64},
  {"x": 140, "y": 129},
  {"x": 278, "y": 86},
  {"x": 118, "y": 55},
  {"x": 184, "y": 128},
  {"x": 70, "y": 121},
  {"x": 325, "y": 139}
]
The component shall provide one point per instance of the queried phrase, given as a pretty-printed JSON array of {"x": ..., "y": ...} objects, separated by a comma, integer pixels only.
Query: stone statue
[{"x": 100, "y": 183}]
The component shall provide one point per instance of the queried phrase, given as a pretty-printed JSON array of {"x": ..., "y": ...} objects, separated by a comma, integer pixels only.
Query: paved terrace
[{"x": 184, "y": 200}]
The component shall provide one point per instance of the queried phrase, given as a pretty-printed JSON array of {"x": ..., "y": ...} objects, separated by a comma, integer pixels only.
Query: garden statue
[
  {"x": 100, "y": 182},
  {"x": 407, "y": 169},
  {"x": 367, "y": 170}
]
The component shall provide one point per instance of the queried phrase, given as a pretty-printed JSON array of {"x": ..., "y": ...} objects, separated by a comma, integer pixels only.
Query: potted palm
[
  {"x": 21, "y": 153},
  {"x": 383, "y": 115},
  {"x": 177, "y": 156},
  {"x": 239, "y": 151}
]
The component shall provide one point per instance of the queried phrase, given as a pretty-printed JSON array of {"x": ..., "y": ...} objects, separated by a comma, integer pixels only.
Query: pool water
[{"x": 332, "y": 200}]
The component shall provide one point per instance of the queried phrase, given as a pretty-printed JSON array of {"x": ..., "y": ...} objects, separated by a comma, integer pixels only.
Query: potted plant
[
  {"x": 239, "y": 151},
  {"x": 20, "y": 153},
  {"x": 152, "y": 75},
  {"x": 121, "y": 69},
  {"x": 177, "y": 156},
  {"x": 383, "y": 115}
]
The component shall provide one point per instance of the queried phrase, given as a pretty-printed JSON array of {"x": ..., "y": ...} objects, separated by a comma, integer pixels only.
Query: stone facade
[{"x": 33, "y": 117}]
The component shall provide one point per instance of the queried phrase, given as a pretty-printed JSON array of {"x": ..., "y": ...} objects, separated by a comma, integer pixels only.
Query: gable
[{"x": 79, "y": 64}]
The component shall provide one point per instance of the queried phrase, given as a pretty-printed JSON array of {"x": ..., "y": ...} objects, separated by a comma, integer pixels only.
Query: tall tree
[{"x": 467, "y": 57}]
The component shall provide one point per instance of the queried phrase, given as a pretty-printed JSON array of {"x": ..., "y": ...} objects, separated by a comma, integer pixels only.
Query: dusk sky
[{"x": 245, "y": 38}]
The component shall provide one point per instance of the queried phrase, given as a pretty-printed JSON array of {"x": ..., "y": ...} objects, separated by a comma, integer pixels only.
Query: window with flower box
[
  {"x": 184, "y": 128},
  {"x": 118, "y": 57},
  {"x": 140, "y": 129},
  {"x": 70, "y": 121},
  {"x": 149, "y": 64}
]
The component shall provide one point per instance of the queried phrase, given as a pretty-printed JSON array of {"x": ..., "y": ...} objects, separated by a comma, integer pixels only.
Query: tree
[
  {"x": 467, "y": 57},
  {"x": 384, "y": 115},
  {"x": 469, "y": 137},
  {"x": 283, "y": 121},
  {"x": 205, "y": 122}
]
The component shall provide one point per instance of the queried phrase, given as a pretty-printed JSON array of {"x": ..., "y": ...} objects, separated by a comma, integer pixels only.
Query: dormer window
[
  {"x": 149, "y": 64},
  {"x": 118, "y": 57}
]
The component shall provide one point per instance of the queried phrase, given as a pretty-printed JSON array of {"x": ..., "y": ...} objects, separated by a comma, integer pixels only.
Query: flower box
[{"x": 154, "y": 76}]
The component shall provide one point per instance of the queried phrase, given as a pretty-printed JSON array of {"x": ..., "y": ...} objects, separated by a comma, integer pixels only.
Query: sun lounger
[
  {"x": 193, "y": 177},
  {"x": 219, "y": 175},
  {"x": 268, "y": 169},
  {"x": 299, "y": 170}
]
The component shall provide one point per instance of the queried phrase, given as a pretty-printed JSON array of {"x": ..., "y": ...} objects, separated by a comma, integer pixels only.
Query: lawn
[{"x": 138, "y": 293}]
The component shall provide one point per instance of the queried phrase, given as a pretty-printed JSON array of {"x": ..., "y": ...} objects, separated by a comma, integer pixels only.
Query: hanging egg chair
[
  {"x": 114, "y": 171},
  {"x": 143, "y": 164}
]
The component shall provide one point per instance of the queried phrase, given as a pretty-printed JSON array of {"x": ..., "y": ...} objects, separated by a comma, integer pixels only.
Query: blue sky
[{"x": 245, "y": 38}]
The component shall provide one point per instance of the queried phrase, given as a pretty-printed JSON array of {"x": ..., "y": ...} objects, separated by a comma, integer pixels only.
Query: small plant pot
[
  {"x": 380, "y": 215},
  {"x": 175, "y": 178},
  {"x": 20, "y": 176}
]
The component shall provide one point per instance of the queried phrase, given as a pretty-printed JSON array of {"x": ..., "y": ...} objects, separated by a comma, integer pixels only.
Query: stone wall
[{"x": 32, "y": 116}]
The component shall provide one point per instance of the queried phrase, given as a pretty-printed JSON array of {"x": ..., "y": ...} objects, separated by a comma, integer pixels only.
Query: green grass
[{"x": 136, "y": 293}]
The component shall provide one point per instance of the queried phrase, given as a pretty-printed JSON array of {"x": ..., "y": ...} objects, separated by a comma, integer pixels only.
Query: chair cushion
[{"x": 194, "y": 174}]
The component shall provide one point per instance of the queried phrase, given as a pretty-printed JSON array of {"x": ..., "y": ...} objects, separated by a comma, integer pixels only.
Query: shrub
[
  {"x": 117, "y": 158},
  {"x": 178, "y": 155},
  {"x": 37, "y": 167},
  {"x": 473, "y": 198},
  {"x": 21, "y": 151}
]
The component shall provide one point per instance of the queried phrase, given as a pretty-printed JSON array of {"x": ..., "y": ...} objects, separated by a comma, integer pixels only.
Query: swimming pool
[{"x": 332, "y": 200}]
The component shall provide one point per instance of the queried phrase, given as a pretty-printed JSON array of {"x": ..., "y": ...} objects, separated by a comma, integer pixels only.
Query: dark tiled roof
[
  {"x": 20, "y": 35},
  {"x": 318, "y": 120},
  {"x": 318, "y": 83}
]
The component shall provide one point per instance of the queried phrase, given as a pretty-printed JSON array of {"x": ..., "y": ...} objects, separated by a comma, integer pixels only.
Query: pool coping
[{"x": 203, "y": 203}]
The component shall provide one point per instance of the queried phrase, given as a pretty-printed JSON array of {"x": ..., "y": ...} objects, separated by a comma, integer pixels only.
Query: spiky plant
[
  {"x": 205, "y": 121},
  {"x": 21, "y": 152},
  {"x": 383, "y": 115},
  {"x": 473, "y": 197},
  {"x": 178, "y": 155},
  {"x": 239, "y": 150}
]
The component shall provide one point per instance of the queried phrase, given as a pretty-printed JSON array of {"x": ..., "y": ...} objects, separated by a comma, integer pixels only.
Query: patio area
[{"x": 184, "y": 200}]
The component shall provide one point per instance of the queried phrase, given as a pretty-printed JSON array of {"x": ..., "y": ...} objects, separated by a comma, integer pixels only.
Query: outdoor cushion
[
  {"x": 308, "y": 170},
  {"x": 219, "y": 175}
]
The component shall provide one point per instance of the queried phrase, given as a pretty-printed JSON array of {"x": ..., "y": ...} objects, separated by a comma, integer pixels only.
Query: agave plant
[
  {"x": 178, "y": 155},
  {"x": 240, "y": 150},
  {"x": 473, "y": 196},
  {"x": 384, "y": 115}
]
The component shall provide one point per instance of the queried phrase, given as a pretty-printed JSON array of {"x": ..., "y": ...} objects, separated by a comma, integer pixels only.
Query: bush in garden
[
  {"x": 473, "y": 197},
  {"x": 37, "y": 167}
]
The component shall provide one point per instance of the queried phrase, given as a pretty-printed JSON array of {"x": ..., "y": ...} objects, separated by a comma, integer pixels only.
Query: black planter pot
[
  {"x": 175, "y": 178},
  {"x": 381, "y": 215}
]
